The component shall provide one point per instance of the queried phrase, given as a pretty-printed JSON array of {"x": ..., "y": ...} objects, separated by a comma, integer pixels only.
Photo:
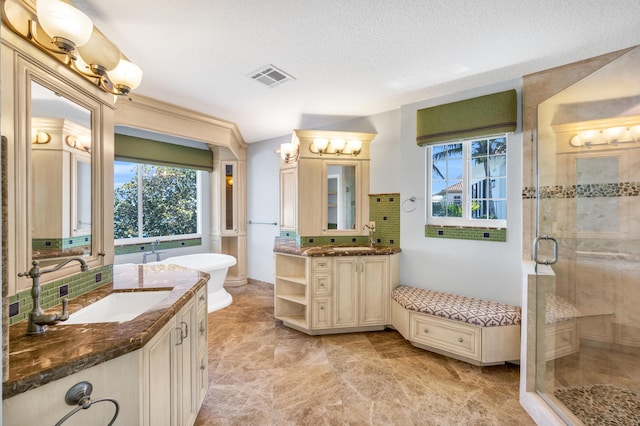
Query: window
[
  {"x": 155, "y": 201},
  {"x": 467, "y": 183}
]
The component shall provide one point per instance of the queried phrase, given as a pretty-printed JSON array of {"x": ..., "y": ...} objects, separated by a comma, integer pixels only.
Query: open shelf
[
  {"x": 297, "y": 280},
  {"x": 295, "y": 298},
  {"x": 297, "y": 320}
]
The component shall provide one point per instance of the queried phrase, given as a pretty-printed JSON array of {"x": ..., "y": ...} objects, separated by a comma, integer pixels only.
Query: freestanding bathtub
[{"x": 216, "y": 265}]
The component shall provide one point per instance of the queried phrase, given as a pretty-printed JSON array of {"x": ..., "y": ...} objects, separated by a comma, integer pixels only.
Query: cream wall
[{"x": 476, "y": 268}]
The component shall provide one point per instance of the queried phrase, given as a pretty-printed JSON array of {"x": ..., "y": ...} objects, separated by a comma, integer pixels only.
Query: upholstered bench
[
  {"x": 561, "y": 327},
  {"x": 476, "y": 331}
]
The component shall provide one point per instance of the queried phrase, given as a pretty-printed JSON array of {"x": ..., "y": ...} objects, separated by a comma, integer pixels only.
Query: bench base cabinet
[
  {"x": 338, "y": 294},
  {"x": 467, "y": 342}
]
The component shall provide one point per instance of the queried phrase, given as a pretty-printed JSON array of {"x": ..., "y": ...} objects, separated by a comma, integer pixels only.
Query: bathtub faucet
[
  {"x": 39, "y": 320},
  {"x": 152, "y": 252}
]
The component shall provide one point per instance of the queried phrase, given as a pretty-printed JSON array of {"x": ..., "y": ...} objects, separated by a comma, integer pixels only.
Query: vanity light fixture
[
  {"x": 82, "y": 143},
  {"x": 40, "y": 137},
  {"x": 336, "y": 146},
  {"x": 59, "y": 28},
  {"x": 611, "y": 136},
  {"x": 67, "y": 26}
]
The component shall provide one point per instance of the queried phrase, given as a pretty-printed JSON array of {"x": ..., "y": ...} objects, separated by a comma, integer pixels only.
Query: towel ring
[
  {"x": 80, "y": 395},
  {"x": 413, "y": 200}
]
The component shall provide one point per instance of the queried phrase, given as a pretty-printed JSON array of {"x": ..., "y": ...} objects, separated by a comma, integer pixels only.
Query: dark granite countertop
[
  {"x": 290, "y": 247},
  {"x": 66, "y": 349}
]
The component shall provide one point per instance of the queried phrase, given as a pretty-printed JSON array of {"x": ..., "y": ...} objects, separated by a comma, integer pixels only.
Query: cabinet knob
[
  {"x": 460, "y": 339},
  {"x": 426, "y": 330},
  {"x": 202, "y": 328},
  {"x": 202, "y": 365},
  {"x": 322, "y": 308},
  {"x": 202, "y": 297}
]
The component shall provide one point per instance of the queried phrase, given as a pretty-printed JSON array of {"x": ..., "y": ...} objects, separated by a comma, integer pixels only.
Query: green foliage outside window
[{"x": 169, "y": 203}]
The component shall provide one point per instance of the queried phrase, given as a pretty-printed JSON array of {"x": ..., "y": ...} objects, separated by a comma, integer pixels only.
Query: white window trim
[
  {"x": 465, "y": 220},
  {"x": 163, "y": 238}
]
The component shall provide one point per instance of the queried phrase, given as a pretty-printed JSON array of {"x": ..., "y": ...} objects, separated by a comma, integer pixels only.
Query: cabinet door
[
  {"x": 345, "y": 299},
  {"x": 160, "y": 378},
  {"x": 187, "y": 364},
  {"x": 374, "y": 290},
  {"x": 288, "y": 199}
]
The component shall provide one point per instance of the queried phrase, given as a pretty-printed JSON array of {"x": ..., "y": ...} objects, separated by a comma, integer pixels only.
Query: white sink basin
[
  {"x": 117, "y": 307},
  {"x": 355, "y": 248}
]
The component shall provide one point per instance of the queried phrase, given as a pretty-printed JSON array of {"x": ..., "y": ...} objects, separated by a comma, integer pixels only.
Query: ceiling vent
[{"x": 271, "y": 76}]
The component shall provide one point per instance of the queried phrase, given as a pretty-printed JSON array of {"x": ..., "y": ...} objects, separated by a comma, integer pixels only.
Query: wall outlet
[{"x": 372, "y": 224}]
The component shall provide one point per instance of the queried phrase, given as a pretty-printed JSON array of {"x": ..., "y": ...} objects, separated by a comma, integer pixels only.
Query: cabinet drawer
[
  {"x": 321, "y": 264},
  {"x": 321, "y": 313},
  {"x": 450, "y": 336},
  {"x": 321, "y": 284},
  {"x": 201, "y": 298},
  {"x": 561, "y": 339}
]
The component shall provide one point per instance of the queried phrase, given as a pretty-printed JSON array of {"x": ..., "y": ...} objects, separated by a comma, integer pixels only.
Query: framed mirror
[
  {"x": 340, "y": 198},
  {"x": 61, "y": 140}
]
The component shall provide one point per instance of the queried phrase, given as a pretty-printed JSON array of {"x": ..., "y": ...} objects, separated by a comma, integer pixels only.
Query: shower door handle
[{"x": 536, "y": 243}]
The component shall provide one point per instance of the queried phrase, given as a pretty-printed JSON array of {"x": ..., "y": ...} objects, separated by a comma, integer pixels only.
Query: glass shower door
[{"x": 588, "y": 291}]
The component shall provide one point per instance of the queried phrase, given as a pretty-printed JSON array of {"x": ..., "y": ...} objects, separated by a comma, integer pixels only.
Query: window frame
[
  {"x": 143, "y": 240},
  {"x": 466, "y": 220}
]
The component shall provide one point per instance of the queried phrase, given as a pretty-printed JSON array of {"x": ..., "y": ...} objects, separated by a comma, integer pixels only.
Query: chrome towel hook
[{"x": 80, "y": 395}]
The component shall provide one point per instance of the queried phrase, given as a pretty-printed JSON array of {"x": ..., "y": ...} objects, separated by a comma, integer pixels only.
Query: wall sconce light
[
  {"x": 336, "y": 146},
  {"x": 290, "y": 151},
  {"x": 39, "y": 137},
  {"x": 611, "y": 136},
  {"x": 61, "y": 29},
  {"x": 82, "y": 143}
]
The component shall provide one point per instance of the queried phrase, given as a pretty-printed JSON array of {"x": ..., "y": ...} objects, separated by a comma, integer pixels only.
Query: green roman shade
[
  {"x": 140, "y": 150},
  {"x": 483, "y": 116}
]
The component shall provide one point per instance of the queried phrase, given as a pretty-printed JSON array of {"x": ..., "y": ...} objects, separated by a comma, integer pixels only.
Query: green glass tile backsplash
[{"x": 52, "y": 293}]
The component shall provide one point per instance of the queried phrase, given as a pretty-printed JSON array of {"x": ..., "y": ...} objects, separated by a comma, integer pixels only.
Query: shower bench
[{"x": 476, "y": 331}]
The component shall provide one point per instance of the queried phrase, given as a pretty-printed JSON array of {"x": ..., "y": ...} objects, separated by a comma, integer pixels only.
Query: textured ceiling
[{"x": 350, "y": 58}]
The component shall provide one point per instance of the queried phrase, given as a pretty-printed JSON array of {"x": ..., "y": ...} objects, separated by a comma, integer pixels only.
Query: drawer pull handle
[
  {"x": 564, "y": 339},
  {"x": 322, "y": 265},
  {"x": 202, "y": 328},
  {"x": 202, "y": 297},
  {"x": 460, "y": 339},
  {"x": 426, "y": 330}
]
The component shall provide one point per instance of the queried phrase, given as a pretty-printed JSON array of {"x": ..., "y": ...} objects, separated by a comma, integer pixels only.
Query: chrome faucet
[
  {"x": 39, "y": 320},
  {"x": 152, "y": 252},
  {"x": 372, "y": 234}
]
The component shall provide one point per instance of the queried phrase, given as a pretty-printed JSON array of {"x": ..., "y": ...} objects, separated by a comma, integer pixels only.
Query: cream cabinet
[
  {"x": 162, "y": 383},
  {"x": 228, "y": 230},
  {"x": 362, "y": 291},
  {"x": 325, "y": 194},
  {"x": 334, "y": 294},
  {"x": 173, "y": 379}
]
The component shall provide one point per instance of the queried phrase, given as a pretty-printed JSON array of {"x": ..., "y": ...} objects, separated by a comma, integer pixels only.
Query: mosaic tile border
[
  {"x": 163, "y": 245},
  {"x": 466, "y": 233},
  {"x": 20, "y": 304},
  {"x": 592, "y": 190}
]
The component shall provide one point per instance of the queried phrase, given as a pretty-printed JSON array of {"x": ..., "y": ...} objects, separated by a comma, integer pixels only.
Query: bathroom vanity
[
  {"x": 324, "y": 290},
  {"x": 155, "y": 366}
]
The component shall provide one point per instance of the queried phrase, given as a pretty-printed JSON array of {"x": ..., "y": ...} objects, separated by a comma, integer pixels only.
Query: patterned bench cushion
[
  {"x": 558, "y": 309},
  {"x": 460, "y": 308}
]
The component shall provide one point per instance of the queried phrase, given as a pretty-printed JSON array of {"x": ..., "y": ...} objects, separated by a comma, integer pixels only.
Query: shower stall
[{"x": 582, "y": 290}]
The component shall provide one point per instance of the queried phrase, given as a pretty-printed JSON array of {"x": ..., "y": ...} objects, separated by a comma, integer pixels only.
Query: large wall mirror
[
  {"x": 341, "y": 197},
  {"x": 61, "y": 143},
  {"x": 60, "y": 176}
]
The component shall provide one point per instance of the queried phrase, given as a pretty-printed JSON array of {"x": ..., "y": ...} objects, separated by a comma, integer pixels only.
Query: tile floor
[{"x": 262, "y": 373}]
